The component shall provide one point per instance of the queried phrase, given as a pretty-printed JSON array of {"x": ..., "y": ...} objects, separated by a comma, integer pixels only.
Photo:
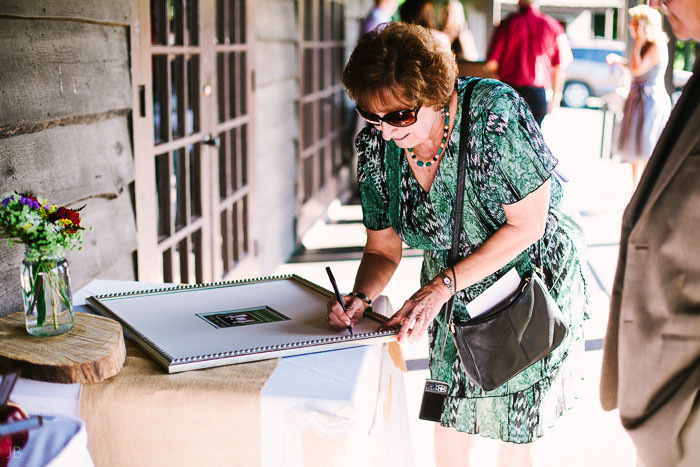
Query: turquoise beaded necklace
[{"x": 446, "y": 112}]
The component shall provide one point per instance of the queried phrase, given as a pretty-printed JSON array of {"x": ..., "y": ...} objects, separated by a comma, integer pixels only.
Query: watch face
[{"x": 446, "y": 280}]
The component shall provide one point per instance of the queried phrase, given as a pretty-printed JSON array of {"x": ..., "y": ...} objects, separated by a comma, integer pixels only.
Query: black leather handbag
[
  {"x": 499, "y": 344},
  {"x": 521, "y": 330}
]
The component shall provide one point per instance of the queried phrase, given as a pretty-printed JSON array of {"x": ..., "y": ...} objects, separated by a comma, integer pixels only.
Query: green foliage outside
[{"x": 685, "y": 56}]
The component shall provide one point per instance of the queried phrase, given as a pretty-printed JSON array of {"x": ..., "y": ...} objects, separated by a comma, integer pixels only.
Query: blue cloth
[
  {"x": 375, "y": 17},
  {"x": 45, "y": 442}
]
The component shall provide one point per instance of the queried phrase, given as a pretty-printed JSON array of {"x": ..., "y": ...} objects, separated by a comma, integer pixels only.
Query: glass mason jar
[{"x": 46, "y": 289}]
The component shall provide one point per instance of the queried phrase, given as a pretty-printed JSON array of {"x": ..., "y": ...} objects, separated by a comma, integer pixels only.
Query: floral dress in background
[{"x": 508, "y": 159}]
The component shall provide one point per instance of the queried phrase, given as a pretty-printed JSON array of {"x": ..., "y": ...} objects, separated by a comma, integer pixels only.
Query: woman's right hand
[
  {"x": 614, "y": 59},
  {"x": 338, "y": 319}
]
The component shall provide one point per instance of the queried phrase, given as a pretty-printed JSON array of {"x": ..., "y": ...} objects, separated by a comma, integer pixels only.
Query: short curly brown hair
[{"x": 399, "y": 63}]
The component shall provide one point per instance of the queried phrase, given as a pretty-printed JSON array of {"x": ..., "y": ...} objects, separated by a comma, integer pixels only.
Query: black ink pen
[{"x": 337, "y": 294}]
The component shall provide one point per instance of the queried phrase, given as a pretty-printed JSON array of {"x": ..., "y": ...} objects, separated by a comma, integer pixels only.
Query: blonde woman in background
[
  {"x": 422, "y": 13},
  {"x": 648, "y": 104},
  {"x": 454, "y": 24}
]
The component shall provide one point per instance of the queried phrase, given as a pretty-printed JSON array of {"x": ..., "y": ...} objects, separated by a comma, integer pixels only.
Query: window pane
[
  {"x": 195, "y": 182},
  {"x": 320, "y": 17},
  {"x": 179, "y": 187},
  {"x": 246, "y": 238},
  {"x": 244, "y": 154},
  {"x": 242, "y": 75},
  {"x": 167, "y": 266},
  {"x": 159, "y": 25},
  {"x": 225, "y": 246},
  {"x": 220, "y": 21},
  {"x": 307, "y": 120},
  {"x": 223, "y": 166},
  {"x": 221, "y": 85},
  {"x": 177, "y": 94},
  {"x": 192, "y": 8},
  {"x": 193, "y": 94},
  {"x": 196, "y": 253},
  {"x": 180, "y": 262},
  {"x": 235, "y": 144},
  {"x": 308, "y": 74},
  {"x": 321, "y": 71},
  {"x": 233, "y": 85},
  {"x": 308, "y": 20},
  {"x": 163, "y": 194},
  {"x": 235, "y": 227},
  {"x": 177, "y": 22},
  {"x": 233, "y": 21},
  {"x": 322, "y": 165},
  {"x": 160, "y": 98}
]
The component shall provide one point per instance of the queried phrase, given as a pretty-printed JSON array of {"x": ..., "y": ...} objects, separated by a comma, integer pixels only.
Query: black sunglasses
[{"x": 398, "y": 118}]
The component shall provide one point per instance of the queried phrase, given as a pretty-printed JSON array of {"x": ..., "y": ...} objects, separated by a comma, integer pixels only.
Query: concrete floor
[{"x": 599, "y": 189}]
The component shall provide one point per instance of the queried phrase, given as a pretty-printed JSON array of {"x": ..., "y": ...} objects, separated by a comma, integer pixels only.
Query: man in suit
[{"x": 651, "y": 360}]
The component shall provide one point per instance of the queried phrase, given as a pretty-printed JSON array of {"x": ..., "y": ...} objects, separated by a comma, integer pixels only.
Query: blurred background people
[
  {"x": 380, "y": 14},
  {"x": 651, "y": 358},
  {"x": 422, "y": 13},
  {"x": 454, "y": 24},
  {"x": 648, "y": 104},
  {"x": 529, "y": 50}
]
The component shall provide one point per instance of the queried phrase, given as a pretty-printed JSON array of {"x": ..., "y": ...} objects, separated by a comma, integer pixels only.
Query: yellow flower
[{"x": 64, "y": 223}]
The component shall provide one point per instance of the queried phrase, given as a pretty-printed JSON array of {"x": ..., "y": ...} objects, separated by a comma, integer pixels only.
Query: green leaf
[{"x": 40, "y": 302}]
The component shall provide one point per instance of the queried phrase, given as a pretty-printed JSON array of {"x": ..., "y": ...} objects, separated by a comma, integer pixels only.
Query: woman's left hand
[{"x": 418, "y": 312}]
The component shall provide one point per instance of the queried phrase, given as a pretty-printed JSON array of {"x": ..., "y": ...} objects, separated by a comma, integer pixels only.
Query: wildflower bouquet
[{"x": 45, "y": 230}]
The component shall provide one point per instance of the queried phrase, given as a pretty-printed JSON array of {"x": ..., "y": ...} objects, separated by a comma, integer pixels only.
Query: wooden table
[{"x": 89, "y": 353}]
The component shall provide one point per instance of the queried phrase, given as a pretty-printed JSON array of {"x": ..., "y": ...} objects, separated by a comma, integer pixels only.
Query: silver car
[{"x": 589, "y": 76}]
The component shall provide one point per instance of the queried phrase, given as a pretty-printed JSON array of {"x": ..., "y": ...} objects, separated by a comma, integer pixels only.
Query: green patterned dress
[{"x": 508, "y": 159}]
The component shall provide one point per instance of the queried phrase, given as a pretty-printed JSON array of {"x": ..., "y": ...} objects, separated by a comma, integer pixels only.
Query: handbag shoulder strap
[
  {"x": 459, "y": 199},
  {"x": 461, "y": 171}
]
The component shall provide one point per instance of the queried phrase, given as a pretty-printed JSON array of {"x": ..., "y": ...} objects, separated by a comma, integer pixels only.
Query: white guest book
[{"x": 200, "y": 326}]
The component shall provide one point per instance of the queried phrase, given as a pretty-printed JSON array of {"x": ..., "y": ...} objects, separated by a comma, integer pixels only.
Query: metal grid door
[
  {"x": 191, "y": 136},
  {"x": 320, "y": 107}
]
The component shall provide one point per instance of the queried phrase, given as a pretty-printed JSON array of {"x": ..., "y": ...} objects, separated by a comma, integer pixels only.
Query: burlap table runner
[{"x": 145, "y": 417}]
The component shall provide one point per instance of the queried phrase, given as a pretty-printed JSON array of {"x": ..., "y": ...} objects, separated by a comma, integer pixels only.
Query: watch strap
[{"x": 449, "y": 283}]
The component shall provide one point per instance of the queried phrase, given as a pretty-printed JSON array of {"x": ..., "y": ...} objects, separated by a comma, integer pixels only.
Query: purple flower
[
  {"x": 6, "y": 201},
  {"x": 31, "y": 202}
]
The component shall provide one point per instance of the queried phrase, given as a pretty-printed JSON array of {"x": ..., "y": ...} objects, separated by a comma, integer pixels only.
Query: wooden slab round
[{"x": 92, "y": 351}]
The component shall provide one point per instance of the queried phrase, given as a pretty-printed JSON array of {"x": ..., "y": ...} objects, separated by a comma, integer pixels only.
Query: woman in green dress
[{"x": 405, "y": 84}]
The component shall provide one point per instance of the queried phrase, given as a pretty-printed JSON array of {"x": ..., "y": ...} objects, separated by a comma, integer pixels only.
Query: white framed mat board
[{"x": 199, "y": 326}]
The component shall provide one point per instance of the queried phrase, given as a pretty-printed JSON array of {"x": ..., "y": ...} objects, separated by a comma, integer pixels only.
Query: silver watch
[{"x": 448, "y": 283}]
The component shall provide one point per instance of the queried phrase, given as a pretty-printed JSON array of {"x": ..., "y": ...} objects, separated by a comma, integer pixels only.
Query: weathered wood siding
[{"x": 65, "y": 103}]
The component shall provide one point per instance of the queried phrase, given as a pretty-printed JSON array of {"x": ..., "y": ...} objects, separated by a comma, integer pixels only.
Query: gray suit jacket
[{"x": 651, "y": 360}]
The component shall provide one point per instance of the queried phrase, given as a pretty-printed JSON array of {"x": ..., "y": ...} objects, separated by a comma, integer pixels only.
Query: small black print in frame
[{"x": 242, "y": 317}]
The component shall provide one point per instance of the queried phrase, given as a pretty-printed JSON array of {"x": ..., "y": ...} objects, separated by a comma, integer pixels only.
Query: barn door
[{"x": 192, "y": 133}]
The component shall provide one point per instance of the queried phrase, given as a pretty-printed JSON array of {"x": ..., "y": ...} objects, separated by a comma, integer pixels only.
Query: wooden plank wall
[{"x": 65, "y": 106}]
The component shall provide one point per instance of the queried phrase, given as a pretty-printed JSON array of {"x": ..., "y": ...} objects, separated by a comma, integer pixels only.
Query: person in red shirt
[{"x": 529, "y": 51}]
